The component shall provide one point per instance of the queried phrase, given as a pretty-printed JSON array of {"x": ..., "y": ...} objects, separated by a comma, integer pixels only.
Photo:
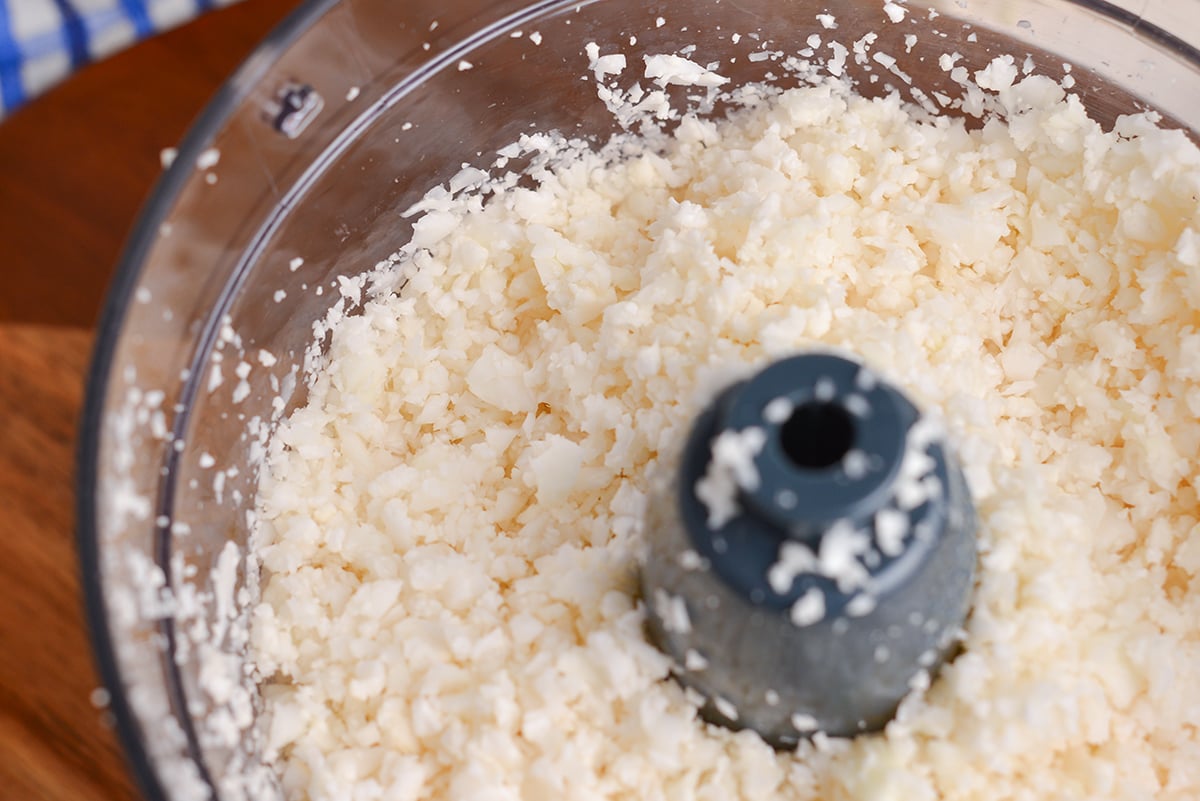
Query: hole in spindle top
[{"x": 817, "y": 435}]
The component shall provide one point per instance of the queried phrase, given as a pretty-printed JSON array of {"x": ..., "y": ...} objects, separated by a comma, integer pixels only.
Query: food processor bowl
[{"x": 296, "y": 176}]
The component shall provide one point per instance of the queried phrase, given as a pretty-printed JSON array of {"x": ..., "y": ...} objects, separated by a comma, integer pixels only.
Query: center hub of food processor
[{"x": 811, "y": 563}]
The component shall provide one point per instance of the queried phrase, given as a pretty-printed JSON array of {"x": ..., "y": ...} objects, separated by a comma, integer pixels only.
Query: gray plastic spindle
[{"x": 815, "y": 552}]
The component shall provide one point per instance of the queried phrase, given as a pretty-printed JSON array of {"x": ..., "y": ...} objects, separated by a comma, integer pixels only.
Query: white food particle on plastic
[
  {"x": 726, "y": 708},
  {"x": 730, "y": 468},
  {"x": 861, "y": 605},
  {"x": 778, "y": 410},
  {"x": 836, "y": 64},
  {"x": 672, "y": 611},
  {"x": 694, "y": 661},
  {"x": 208, "y": 159},
  {"x": 891, "y": 529},
  {"x": 670, "y": 70},
  {"x": 857, "y": 405},
  {"x": 215, "y": 378},
  {"x": 804, "y": 722},
  {"x": 895, "y": 12},
  {"x": 794, "y": 559},
  {"x": 690, "y": 560},
  {"x": 856, "y": 464},
  {"x": 602, "y": 66},
  {"x": 100, "y": 698},
  {"x": 809, "y": 608}
]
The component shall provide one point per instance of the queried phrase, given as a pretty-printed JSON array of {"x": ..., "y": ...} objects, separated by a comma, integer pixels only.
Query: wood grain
[
  {"x": 53, "y": 743},
  {"x": 76, "y": 164},
  {"x": 75, "y": 167}
]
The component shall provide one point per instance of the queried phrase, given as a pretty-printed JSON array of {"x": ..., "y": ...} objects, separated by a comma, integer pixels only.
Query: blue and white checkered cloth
[{"x": 43, "y": 41}]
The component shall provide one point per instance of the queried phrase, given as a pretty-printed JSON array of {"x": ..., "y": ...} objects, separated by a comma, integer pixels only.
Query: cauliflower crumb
[
  {"x": 804, "y": 722},
  {"x": 809, "y": 609},
  {"x": 672, "y": 611},
  {"x": 895, "y": 12},
  {"x": 678, "y": 71},
  {"x": 208, "y": 159},
  {"x": 731, "y": 467},
  {"x": 447, "y": 527},
  {"x": 693, "y": 660}
]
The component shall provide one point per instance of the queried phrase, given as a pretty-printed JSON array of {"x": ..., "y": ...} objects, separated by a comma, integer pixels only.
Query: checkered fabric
[{"x": 43, "y": 41}]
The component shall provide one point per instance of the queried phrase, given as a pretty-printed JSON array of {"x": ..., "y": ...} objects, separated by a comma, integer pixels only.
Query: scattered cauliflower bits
[{"x": 451, "y": 524}]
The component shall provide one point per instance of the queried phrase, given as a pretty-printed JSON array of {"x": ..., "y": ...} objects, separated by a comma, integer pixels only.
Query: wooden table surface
[{"x": 75, "y": 167}]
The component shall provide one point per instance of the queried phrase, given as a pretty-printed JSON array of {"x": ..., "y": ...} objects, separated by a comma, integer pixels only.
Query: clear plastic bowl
[{"x": 397, "y": 115}]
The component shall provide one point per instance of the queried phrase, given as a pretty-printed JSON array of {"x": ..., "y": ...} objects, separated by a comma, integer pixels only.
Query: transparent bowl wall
[{"x": 400, "y": 116}]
